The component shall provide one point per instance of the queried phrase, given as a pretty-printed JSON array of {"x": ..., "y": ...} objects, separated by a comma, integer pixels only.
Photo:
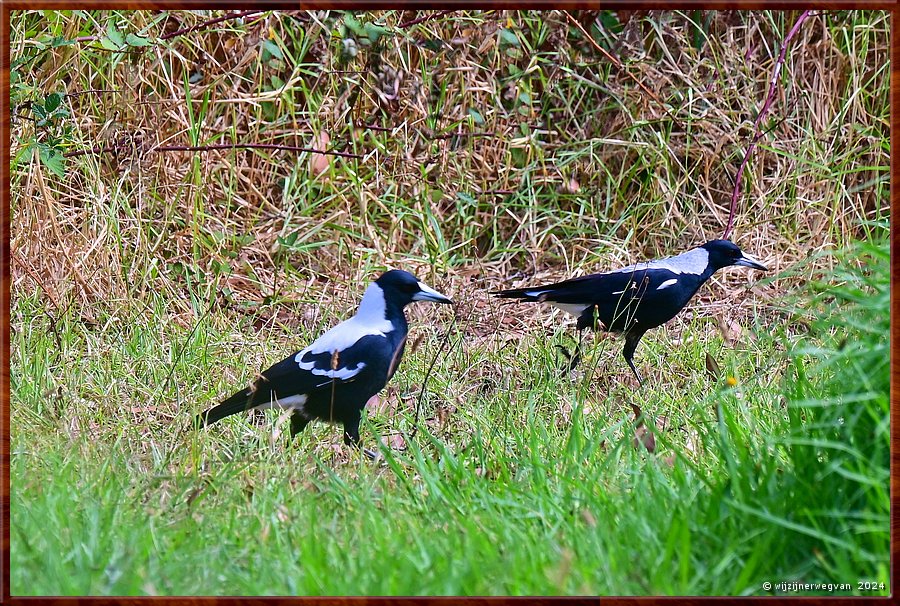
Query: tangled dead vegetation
[{"x": 494, "y": 146}]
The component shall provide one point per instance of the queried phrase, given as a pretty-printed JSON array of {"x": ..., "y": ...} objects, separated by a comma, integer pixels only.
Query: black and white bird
[
  {"x": 639, "y": 297},
  {"x": 333, "y": 378}
]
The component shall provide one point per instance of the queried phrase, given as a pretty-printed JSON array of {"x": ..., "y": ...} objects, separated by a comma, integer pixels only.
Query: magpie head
[
  {"x": 402, "y": 288},
  {"x": 723, "y": 253}
]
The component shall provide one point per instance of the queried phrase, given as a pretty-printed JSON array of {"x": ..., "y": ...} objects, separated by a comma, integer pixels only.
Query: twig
[
  {"x": 186, "y": 30},
  {"x": 425, "y": 18},
  {"x": 256, "y": 146},
  {"x": 102, "y": 149},
  {"x": 451, "y": 135},
  {"x": 430, "y": 134},
  {"x": 200, "y": 148},
  {"x": 762, "y": 112},
  {"x": 437, "y": 354},
  {"x": 92, "y": 90}
]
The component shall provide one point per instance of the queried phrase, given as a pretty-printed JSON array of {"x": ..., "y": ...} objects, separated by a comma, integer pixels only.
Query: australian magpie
[
  {"x": 332, "y": 379},
  {"x": 639, "y": 297}
]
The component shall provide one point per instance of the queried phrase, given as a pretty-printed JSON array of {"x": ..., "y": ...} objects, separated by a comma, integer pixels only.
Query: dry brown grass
[{"x": 589, "y": 172}]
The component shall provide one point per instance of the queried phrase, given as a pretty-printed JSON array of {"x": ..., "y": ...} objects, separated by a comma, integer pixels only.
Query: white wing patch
[
  {"x": 575, "y": 309},
  {"x": 694, "y": 261},
  {"x": 667, "y": 284},
  {"x": 289, "y": 403},
  {"x": 535, "y": 293},
  {"x": 338, "y": 373}
]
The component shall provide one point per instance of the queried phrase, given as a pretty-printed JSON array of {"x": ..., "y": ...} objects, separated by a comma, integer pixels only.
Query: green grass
[
  {"x": 507, "y": 499},
  {"x": 146, "y": 288}
]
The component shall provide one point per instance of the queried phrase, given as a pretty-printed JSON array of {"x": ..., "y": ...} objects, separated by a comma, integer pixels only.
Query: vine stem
[
  {"x": 757, "y": 133},
  {"x": 202, "y": 148}
]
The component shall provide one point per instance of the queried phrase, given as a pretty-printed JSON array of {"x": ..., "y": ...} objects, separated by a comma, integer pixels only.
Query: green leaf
[
  {"x": 353, "y": 25},
  {"x": 108, "y": 44},
  {"x": 509, "y": 38},
  {"x": 466, "y": 198},
  {"x": 52, "y": 159},
  {"x": 273, "y": 49},
  {"x": 610, "y": 22},
  {"x": 52, "y": 101},
  {"x": 115, "y": 36},
  {"x": 288, "y": 240},
  {"x": 26, "y": 153},
  {"x": 133, "y": 40},
  {"x": 375, "y": 32},
  {"x": 433, "y": 44},
  {"x": 61, "y": 41},
  {"x": 476, "y": 116},
  {"x": 18, "y": 61}
]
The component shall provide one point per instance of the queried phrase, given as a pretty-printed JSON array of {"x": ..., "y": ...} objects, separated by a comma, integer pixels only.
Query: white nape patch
[
  {"x": 572, "y": 308},
  {"x": 372, "y": 310},
  {"x": 694, "y": 261},
  {"x": 667, "y": 284},
  {"x": 289, "y": 403}
]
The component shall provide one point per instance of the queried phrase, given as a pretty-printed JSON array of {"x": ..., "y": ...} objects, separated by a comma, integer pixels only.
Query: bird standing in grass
[
  {"x": 333, "y": 378},
  {"x": 639, "y": 297}
]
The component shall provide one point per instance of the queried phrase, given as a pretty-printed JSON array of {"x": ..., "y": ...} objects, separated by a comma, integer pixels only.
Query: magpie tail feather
[
  {"x": 239, "y": 402},
  {"x": 526, "y": 294}
]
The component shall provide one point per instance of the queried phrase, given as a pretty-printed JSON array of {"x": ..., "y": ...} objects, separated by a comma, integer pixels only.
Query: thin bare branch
[
  {"x": 186, "y": 30},
  {"x": 201, "y": 148},
  {"x": 758, "y": 134}
]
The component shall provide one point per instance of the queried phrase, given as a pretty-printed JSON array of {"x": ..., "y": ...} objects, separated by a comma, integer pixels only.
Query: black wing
[
  {"x": 595, "y": 289},
  {"x": 306, "y": 374}
]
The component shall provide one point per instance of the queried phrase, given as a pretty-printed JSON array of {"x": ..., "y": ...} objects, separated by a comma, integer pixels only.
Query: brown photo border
[{"x": 6, "y": 6}]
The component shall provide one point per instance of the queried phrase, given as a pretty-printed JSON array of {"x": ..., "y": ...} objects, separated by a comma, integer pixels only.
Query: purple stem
[
  {"x": 757, "y": 134},
  {"x": 192, "y": 28}
]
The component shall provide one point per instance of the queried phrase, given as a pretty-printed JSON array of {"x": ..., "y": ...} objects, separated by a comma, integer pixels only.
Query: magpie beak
[
  {"x": 746, "y": 260},
  {"x": 426, "y": 293}
]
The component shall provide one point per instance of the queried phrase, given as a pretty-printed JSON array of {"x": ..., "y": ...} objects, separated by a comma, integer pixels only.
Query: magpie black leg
[
  {"x": 351, "y": 432},
  {"x": 298, "y": 424},
  {"x": 351, "y": 435},
  {"x": 631, "y": 342},
  {"x": 574, "y": 358},
  {"x": 576, "y": 355}
]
